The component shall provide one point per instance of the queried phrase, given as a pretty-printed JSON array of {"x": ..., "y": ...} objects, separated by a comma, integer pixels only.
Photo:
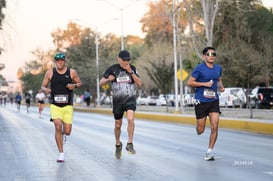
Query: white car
[
  {"x": 189, "y": 100},
  {"x": 151, "y": 100},
  {"x": 232, "y": 97},
  {"x": 141, "y": 100},
  {"x": 161, "y": 101}
]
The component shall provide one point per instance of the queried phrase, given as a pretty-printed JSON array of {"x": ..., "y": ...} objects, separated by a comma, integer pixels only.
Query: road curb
[{"x": 256, "y": 126}]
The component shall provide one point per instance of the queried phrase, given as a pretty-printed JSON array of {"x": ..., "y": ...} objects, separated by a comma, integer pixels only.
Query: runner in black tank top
[
  {"x": 60, "y": 94},
  {"x": 62, "y": 80}
]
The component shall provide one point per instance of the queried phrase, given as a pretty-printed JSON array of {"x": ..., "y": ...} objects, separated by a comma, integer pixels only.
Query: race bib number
[
  {"x": 123, "y": 79},
  {"x": 61, "y": 98},
  {"x": 209, "y": 93}
]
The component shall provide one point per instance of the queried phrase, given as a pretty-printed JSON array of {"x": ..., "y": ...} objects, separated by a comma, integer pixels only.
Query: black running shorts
[
  {"x": 120, "y": 108},
  {"x": 204, "y": 108}
]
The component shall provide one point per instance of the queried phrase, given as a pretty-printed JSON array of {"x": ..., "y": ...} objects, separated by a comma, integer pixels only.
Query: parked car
[
  {"x": 107, "y": 100},
  {"x": 141, "y": 100},
  {"x": 232, "y": 97},
  {"x": 171, "y": 100},
  {"x": 189, "y": 99},
  {"x": 161, "y": 101},
  {"x": 261, "y": 97},
  {"x": 151, "y": 100}
]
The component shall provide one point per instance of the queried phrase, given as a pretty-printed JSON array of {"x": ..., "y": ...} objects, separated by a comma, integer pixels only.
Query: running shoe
[
  {"x": 130, "y": 148},
  {"x": 118, "y": 151},
  {"x": 209, "y": 157},
  {"x": 60, "y": 157}
]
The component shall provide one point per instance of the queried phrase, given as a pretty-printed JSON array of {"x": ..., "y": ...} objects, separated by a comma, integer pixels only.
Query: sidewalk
[{"x": 237, "y": 119}]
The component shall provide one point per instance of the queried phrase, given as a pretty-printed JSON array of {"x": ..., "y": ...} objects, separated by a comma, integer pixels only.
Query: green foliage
[
  {"x": 2, "y": 16},
  {"x": 243, "y": 39},
  {"x": 32, "y": 82},
  {"x": 162, "y": 75}
]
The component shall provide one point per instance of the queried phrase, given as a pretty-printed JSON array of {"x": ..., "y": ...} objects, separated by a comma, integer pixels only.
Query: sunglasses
[{"x": 211, "y": 54}]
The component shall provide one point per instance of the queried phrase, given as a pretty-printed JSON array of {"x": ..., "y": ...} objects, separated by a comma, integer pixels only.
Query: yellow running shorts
[{"x": 64, "y": 113}]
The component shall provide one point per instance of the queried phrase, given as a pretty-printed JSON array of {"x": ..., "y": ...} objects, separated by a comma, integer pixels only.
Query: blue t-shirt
[{"x": 202, "y": 73}]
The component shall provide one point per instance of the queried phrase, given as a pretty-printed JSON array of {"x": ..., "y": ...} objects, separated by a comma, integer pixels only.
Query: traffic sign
[
  {"x": 105, "y": 87},
  {"x": 184, "y": 74}
]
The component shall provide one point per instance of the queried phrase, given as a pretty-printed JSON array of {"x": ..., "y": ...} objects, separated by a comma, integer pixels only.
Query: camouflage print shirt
[{"x": 123, "y": 87}]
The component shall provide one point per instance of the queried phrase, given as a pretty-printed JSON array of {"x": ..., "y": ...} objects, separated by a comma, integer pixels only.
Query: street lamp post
[
  {"x": 121, "y": 23},
  {"x": 175, "y": 57},
  {"x": 97, "y": 66},
  {"x": 121, "y": 18}
]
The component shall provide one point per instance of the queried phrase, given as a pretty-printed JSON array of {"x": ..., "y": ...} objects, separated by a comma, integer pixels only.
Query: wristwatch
[{"x": 131, "y": 73}]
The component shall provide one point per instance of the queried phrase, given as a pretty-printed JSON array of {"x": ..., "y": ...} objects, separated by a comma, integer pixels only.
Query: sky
[{"x": 28, "y": 24}]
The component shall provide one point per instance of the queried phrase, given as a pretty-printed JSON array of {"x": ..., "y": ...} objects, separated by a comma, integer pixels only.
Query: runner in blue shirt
[
  {"x": 18, "y": 99},
  {"x": 206, "y": 79}
]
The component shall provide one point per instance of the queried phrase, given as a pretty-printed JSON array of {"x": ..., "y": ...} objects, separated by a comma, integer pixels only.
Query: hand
[
  {"x": 111, "y": 78},
  {"x": 128, "y": 68},
  {"x": 46, "y": 90},
  {"x": 209, "y": 84},
  {"x": 221, "y": 89},
  {"x": 70, "y": 86}
]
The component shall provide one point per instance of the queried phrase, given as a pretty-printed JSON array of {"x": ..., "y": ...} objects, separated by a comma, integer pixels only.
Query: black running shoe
[
  {"x": 118, "y": 150},
  {"x": 130, "y": 148}
]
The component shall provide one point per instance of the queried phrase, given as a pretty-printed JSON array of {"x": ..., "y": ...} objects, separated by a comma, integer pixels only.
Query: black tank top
[{"x": 60, "y": 95}]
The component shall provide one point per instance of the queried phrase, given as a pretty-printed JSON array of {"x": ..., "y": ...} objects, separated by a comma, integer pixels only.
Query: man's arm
[
  {"x": 136, "y": 79},
  {"x": 104, "y": 81},
  {"x": 220, "y": 85},
  {"x": 193, "y": 83},
  {"x": 76, "y": 80},
  {"x": 46, "y": 81}
]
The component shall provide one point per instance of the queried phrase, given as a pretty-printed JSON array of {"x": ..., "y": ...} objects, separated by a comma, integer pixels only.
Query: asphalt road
[{"x": 165, "y": 151}]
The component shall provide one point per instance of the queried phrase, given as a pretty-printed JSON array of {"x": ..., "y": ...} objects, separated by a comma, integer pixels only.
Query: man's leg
[
  {"x": 117, "y": 130},
  {"x": 130, "y": 130},
  {"x": 214, "y": 121},
  {"x": 67, "y": 129},
  {"x": 131, "y": 125},
  {"x": 58, "y": 134},
  {"x": 200, "y": 125}
]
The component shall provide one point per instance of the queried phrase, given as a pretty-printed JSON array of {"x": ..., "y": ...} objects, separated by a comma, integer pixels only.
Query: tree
[
  {"x": 70, "y": 36},
  {"x": 210, "y": 9},
  {"x": 2, "y": 16},
  {"x": 33, "y": 71},
  {"x": 157, "y": 22},
  {"x": 161, "y": 74},
  {"x": 242, "y": 33}
]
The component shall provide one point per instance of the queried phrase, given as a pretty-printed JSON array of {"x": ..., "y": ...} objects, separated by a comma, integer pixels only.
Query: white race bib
[
  {"x": 123, "y": 79},
  {"x": 209, "y": 93},
  {"x": 61, "y": 98}
]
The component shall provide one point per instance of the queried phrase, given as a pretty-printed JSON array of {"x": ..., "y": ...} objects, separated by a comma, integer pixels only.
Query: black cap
[{"x": 124, "y": 55}]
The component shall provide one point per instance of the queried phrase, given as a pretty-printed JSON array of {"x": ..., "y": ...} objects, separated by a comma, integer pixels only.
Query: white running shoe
[
  {"x": 60, "y": 157},
  {"x": 209, "y": 157}
]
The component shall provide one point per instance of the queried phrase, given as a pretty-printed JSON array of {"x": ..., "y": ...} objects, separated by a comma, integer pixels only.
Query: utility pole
[{"x": 175, "y": 57}]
